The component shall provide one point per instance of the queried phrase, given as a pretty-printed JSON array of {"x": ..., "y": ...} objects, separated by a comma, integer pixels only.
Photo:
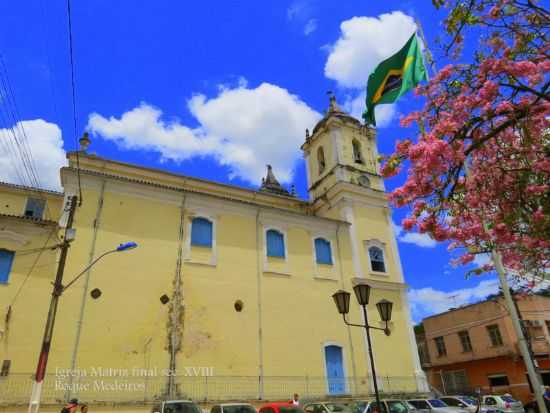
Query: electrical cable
[{"x": 74, "y": 101}]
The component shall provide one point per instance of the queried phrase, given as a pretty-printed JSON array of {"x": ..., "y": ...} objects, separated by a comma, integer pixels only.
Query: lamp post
[
  {"x": 362, "y": 293},
  {"x": 58, "y": 289}
]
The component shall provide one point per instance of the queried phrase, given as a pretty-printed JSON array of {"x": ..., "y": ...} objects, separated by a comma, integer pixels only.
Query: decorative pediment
[{"x": 13, "y": 237}]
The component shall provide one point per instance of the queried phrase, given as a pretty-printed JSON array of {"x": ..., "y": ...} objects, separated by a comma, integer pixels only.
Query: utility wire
[
  {"x": 74, "y": 101},
  {"x": 31, "y": 268},
  {"x": 20, "y": 144}
]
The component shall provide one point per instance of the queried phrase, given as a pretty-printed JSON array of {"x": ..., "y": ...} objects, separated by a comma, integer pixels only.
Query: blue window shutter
[
  {"x": 322, "y": 251},
  {"x": 275, "y": 244},
  {"x": 201, "y": 232},
  {"x": 6, "y": 260}
]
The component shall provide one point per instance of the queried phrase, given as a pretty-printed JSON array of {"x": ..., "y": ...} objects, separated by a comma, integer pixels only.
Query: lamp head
[
  {"x": 126, "y": 246},
  {"x": 341, "y": 299},
  {"x": 362, "y": 292},
  {"x": 384, "y": 309}
]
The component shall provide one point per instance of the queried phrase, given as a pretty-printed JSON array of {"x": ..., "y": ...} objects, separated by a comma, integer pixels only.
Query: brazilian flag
[{"x": 394, "y": 76}]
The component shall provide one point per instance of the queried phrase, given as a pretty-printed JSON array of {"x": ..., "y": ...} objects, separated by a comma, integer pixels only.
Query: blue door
[{"x": 335, "y": 370}]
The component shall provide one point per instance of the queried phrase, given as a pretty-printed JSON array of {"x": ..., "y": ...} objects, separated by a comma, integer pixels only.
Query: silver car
[
  {"x": 435, "y": 406},
  {"x": 505, "y": 403}
]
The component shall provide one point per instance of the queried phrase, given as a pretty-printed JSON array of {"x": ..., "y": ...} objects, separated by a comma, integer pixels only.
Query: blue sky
[{"x": 215, "y": 90}]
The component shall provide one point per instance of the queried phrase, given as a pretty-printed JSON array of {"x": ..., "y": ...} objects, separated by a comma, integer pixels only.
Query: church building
[{"x": 228, "y": 295}]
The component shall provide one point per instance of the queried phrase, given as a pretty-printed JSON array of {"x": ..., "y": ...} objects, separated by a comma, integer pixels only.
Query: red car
[{"x": 281, "y": 407}]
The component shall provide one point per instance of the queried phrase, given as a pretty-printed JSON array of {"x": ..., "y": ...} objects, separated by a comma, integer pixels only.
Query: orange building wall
[{"x": 478, "y": 373}]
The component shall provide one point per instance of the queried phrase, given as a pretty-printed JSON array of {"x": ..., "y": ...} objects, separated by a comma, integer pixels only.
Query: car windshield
[
  {"x": 508, "y": 399},
  {"x": 181, "y": 407},
  {"x": 242, "y": 408},
  {"x": 337, "y": 407},
  {"x": 357, "y": 407},
  {"x": 397, "y": 406},
  {"x": 468, "y": 400},
  {"x": 437, "y": 403},
  {"x": 420, "y": 404}
]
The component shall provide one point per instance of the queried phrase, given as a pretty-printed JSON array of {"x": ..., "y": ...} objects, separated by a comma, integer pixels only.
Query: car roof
[
  {"x": 233, "y": 404},
  {"x": 177, "y": 401},
  {"x": 277, "y": 404}
]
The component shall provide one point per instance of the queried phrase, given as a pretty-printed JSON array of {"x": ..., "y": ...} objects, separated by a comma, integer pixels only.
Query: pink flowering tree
[{"x": 478, "y": 173}]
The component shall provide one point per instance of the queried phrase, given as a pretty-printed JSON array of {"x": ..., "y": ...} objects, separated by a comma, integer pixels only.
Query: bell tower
[
  {"x": 340, "y": 150},
  {"x": 344, "y": 183}
]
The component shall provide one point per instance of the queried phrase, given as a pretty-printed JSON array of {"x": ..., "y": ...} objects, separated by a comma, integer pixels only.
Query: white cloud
[
  {"x": 364, "y": 42},
  {"x": 428, "y": 301},
  {"x": 46, "y": 147},
  {"x": 384, "y": 114},
  {"x": 242, "y": 128},
  {"x": 310, "y": 27},
  {"x": 420, "y": 240},
  {"x": 482, "y": 259}
]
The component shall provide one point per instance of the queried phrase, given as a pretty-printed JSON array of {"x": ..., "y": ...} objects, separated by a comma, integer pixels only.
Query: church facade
[{"x": 228, "y": 295}]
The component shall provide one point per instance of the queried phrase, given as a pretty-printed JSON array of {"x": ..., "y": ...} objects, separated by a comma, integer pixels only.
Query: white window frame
[
  {"x": 324, "y": 345},
  {"x": 376, "y": 243},
  {"x": 282, "y": 230},
  {"x": 316, "y": 265},
  {"x": 214, "y": 250}
]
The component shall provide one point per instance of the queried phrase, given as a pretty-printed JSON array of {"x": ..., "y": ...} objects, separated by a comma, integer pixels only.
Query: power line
[
  {"x": 74, "y": 101},
  {"x": 20, "y": 144},
  {"x": 32, "y": 268}
]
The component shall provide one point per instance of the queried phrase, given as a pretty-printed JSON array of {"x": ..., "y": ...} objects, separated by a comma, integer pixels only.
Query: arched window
[
  {"x": 6, "y": 261},
  {"x": 323, "y": 254},
  {"x": 321, "y": 159},
  {"x": 275, "y": 244},
  {"x": 376, "y": 256},
  {"x": 357, "y": 157},
  {"x": 201, "y": 232}
]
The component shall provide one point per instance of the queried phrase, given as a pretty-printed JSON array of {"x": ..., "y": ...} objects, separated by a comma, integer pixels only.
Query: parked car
[
  {"x": 435, "y": 406},
  {"x": 176, "y": 406},
  {"x": 413, "y": 409},
  {"x": 283, "y": 407},
  {"x": 391, "y": 406},
  {"x": 328, "y": 407},
  {"x": 233, "y": 408},
  {"x": 503, "y": 403},
  {"x": 466, "y": 402}
]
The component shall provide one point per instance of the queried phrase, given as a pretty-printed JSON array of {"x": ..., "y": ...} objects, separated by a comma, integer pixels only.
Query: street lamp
[
  {"x": 58, "y": 289},
  {"x": 122, "y": 247},
  {"x": 362, "y": 293}
]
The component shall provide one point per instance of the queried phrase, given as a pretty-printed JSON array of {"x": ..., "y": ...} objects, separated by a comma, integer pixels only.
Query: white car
[
  {"x": 233, "y": 408},
  {"x": 435, "y": 406},
  {"x": 502, "y": 403},
  {"x": 327, "y": 407},
  {"x": 467, "y": 403}
]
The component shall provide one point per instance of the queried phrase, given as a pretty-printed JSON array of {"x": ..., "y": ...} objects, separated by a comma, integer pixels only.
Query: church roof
[
  {"x": 270, "y": 184},
  {"x": 334, "y": 111}
]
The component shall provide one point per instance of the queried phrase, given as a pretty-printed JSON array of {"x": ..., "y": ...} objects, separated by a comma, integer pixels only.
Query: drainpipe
[
  {"x": 259, "y": 298},
  {"x": 176, "y": 311},
  {"x": 91, "y": 257}
]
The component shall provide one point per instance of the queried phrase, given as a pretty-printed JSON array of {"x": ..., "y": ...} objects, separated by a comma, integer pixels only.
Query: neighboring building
[
  {"x": 475, "y": 347},
  {"x": 229, "y": 281}
]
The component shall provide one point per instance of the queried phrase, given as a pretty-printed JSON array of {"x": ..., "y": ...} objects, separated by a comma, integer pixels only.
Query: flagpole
[{"x": 530, "y": 364}]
